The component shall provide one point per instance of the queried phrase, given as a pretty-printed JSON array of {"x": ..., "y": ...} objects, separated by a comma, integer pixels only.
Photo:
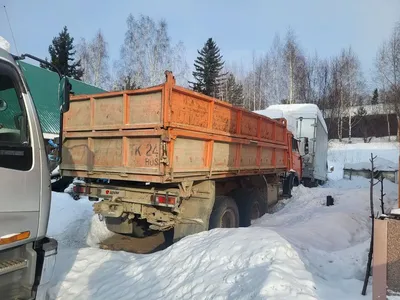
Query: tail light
[
  {"x": 165, "y": 200},
  {"x": 80, "y": 189}
]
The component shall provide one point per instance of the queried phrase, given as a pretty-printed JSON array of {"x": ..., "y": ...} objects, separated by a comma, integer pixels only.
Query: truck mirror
[
  {"x": 64, "y": 90},
  {"x": 331, "y": 169}
]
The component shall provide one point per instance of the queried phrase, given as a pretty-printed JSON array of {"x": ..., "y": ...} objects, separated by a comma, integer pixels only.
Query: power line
[{"x": 12, "y": 33}]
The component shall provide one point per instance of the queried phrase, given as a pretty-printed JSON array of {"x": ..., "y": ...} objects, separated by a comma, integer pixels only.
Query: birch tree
[
  {"x": 277, "y": 78},
  {"x": 95, "y": 60},
  {"x": 387, "y": 69},
  {"x": 147, "y": 52},
  {"x": 295, "y": 67},
  {"x": 322, "y": 83}
]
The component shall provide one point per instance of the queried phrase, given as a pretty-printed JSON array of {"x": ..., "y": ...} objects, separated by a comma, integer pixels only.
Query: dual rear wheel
[{"x": 252, "y": 205}]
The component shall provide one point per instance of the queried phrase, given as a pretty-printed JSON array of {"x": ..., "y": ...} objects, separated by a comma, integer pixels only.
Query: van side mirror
[
  {"x": 331, "y": 169},
  {"x": 64, "y": 91}
]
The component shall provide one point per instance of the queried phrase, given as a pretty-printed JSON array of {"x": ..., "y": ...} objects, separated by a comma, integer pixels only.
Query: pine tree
[
  {"x": 62, "y": 55},
  {"x": 233, "y": 91},
  {"x": 208, "y": 65},
  {"x": 375, "y": 97}
]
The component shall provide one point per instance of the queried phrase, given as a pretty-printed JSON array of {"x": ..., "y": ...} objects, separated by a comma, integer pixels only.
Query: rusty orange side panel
[
  {"x": 168, "y": 133},
  {"x": 119, "y": 153},
  {"x": 197, "y": 112},
  {"x": 118, "y": 110},
  {"x": 166, "y": 155}
]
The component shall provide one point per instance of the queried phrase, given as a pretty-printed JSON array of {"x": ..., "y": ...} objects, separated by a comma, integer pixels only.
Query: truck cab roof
[
  {"x": 305, "y": 110},
  {"x": 6, "y": 56}
]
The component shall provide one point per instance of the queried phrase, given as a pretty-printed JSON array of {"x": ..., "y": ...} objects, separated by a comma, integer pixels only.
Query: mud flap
[
  {"x": 46, "y": 250},
  {"x": 196, "y": 211}
]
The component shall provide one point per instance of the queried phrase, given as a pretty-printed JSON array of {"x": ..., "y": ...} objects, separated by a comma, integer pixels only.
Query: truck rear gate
[{"x": 168, "y": 134}]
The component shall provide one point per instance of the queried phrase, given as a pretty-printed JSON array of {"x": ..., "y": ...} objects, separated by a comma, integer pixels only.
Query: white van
[
  {"x": 27, "y": 256},
  {"x": 307, "y": 124}
]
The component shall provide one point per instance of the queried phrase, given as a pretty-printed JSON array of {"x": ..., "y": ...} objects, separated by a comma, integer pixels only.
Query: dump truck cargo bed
[{"x": 168, "y": 134}]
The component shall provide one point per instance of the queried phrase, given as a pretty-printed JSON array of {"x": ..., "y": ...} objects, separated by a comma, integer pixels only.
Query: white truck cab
[
  {"x": 27, "y": 256},
  {"x": 307, "y": 124}
]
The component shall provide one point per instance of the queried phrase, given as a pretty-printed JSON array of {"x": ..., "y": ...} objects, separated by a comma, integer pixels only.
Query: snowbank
[
  {"x": 340, "y": 154},
  {"x": 73, "y": 224},
  {"x": 304, "y": 251}
]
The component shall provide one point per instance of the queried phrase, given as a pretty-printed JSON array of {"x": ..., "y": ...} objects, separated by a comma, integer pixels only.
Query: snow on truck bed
[{"x": 304, "y": 250}]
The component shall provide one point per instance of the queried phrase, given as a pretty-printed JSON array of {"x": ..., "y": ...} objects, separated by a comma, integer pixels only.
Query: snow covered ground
[
  {"x": 358, "y": 152},
  {"x": 304, "y": 250}
]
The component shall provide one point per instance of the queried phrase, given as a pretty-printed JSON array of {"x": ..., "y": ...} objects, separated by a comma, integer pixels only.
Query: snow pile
[
  {"x": 73, "y": 224},
  {"x": 340, "y": 154},
  {"x": 380, "y": 164},
  {"x": 304, "y": 251},
  {"x": 244, "y": 263}
]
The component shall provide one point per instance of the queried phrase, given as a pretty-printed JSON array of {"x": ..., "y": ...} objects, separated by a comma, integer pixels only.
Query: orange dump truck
[{"x": 169, "y": 159}]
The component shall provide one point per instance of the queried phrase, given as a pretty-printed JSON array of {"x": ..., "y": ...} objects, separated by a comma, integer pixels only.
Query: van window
[{"x": 15, "y": 150}]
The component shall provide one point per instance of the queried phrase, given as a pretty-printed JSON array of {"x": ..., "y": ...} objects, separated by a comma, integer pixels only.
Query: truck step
[{"x": 11, "y": 265}]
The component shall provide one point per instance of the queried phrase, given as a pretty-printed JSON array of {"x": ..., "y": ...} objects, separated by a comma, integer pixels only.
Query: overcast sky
[{"x": 238, "y": 26}]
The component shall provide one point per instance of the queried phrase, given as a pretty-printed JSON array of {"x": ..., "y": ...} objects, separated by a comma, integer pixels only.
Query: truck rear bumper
[{"x": 158, "y": 207}]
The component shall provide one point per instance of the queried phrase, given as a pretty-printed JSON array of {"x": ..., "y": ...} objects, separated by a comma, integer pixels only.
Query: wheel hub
[{"x": 228, "y": 219}]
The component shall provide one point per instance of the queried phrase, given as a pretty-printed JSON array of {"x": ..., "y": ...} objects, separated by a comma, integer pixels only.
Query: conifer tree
[
  {"x": 208, "y": 67},
  {"x": 233, "y": 91},
  {"x": 375, "y": 97},
  {"x": 62, "y": 54}
]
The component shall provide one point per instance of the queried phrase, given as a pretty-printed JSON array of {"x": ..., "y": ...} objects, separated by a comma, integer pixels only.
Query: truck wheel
[
  {"x": 288, "y": 186},
  {"x": 252, "y": 204},
  {"x": 225, "y": 213}
]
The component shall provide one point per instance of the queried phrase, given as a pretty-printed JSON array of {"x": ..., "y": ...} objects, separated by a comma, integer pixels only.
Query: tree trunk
[
  {"x": 398, "y": 128},
  {"x": 350, "y": 124},
  {"x": 254, "y": 91},
  {"x": 291, "y": 81},
  {"x": 340, "y": 128},
  {"x": 388, "y": 125}
]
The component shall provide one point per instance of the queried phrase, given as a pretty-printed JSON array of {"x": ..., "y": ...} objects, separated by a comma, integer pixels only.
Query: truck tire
[
  {"x": 288, "y": 184},
  {"x": 225, "y": 213},
  {"x": 252, "y": 204},
  {"x": 296, "y": 181}
]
